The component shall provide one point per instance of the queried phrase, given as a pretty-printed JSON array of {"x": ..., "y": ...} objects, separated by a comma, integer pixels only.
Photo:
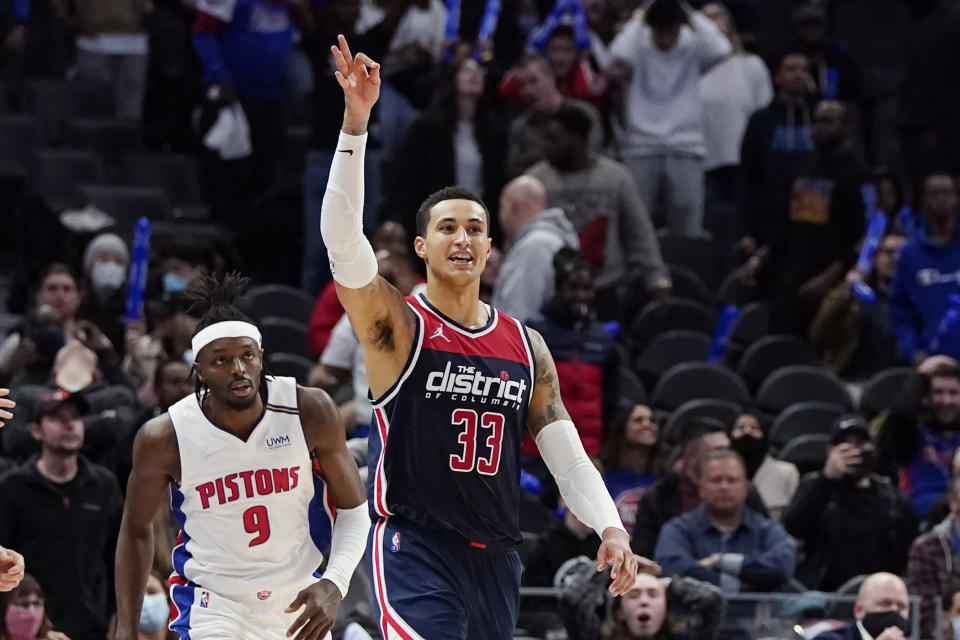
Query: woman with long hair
[
  {"x": 631, "y": 459},
  {"x": 23, "y": 614}
]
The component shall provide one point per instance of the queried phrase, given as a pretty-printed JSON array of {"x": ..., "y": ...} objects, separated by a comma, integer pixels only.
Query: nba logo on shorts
[
  {"x": 395, "y": 542},
  {"x": 204, "y": 599},
  {"x": 263, "y": 595}
]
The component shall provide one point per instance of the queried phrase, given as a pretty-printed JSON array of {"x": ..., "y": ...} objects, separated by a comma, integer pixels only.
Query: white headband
[{"x": 226, "y": 329}]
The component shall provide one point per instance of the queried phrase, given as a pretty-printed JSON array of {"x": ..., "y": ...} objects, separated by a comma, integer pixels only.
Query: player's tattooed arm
[{"x": 546, "y": 405}]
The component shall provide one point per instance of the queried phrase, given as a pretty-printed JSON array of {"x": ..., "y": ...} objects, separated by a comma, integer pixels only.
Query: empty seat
[
  {"x": 808, "y": 453},
  {"x": 801, "y": 383},
  {"x": 723, "y": 410},
  {"x": 882, "y": 389},
  {"x": 752, "y": 324},
  {"x": 20, "y": 135},
  {"x": 290, "y": 364},
  {"x": 176, "y": 174},
  {"x": 802, "y": 419},
  {"x": 696, "y": 380},
  {"x": 632, "y": 390},
  {"x": 770, "y": 353},
  {"x": 700, "y": 255},
  {"x": 111, "y": 138},
  {"x": 280, "y": 301},
  {"x": 666, "y": 315},
  {"x": 687, "y": 284},
  {"x": 284, "y": 336},
  {"x": 54, "y": 101},
  {"x": 126, "y": 204},
  {"x": 669, "y": 349},
  {"x": 55, "y": 174}
]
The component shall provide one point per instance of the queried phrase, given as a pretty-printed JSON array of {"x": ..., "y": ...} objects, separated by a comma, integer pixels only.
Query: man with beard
[
  {"x": 851, "y": 520},
  {"x": 932, "y": 568},
  {"x": 881, "y": 611},
  {"x": 775, "y": 480},
  {"x": 921, "y": 430},
  {"x": 237, "y": 460}
]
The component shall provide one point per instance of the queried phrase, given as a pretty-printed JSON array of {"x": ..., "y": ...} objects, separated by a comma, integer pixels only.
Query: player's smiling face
[
  {"x": 231, "y": 369},
  {"x": 457, "y": 241}
]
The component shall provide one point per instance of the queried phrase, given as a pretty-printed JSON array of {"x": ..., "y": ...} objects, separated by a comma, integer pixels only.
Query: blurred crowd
[{"x": 734, "y": 223}]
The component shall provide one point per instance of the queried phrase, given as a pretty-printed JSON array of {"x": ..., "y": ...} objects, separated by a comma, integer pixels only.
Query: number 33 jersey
[
  {"x": 253, "y": 517},
  {"x": 445, "y": 439}
]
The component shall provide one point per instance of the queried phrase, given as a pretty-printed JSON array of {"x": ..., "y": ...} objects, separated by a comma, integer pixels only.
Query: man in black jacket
[
  {"x": 679, "y": 492},
  {"x": 851, "y": 520},
  {"x": 63, "y": 513}
]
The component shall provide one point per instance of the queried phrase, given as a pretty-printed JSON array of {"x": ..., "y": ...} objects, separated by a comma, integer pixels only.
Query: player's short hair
[
  {"x": 447, "y": 193},
  {"x": 573, "y": 120},
  {"x": 664, "y": 14}
]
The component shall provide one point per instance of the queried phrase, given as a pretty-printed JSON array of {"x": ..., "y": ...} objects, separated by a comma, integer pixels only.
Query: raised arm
[
  {"x": 327, "y": 443},
  {"x": 579, "y": 481},
  {"x": 156, "y": 462},
  {"x": 378, "y": 313}
]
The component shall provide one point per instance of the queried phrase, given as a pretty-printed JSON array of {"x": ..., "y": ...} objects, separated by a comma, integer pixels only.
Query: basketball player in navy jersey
[
  {"x": 455, "y": 384},
  {"x": 237, "y": 460}
]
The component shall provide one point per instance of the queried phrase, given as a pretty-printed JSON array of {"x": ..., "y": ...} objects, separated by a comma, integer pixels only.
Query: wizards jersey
[{"x": 445, "y": 439}]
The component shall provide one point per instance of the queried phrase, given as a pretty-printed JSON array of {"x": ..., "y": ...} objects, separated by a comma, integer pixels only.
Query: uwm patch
[{"x": 277, "y": 442}]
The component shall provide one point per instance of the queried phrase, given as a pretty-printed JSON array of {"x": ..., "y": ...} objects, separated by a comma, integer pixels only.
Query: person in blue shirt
[
  {"x": 722, "y": 541},
  {"x": 927, "y": 274}
]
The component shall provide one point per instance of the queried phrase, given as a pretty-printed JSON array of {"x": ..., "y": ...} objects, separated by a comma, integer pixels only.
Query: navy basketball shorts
[{"x": 432, "y": 587}]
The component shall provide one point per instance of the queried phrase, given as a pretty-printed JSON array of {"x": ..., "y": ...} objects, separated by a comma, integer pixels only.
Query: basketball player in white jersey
[
  {"x": 237, "y": 461},
  {"x": 455, "y": 385}
]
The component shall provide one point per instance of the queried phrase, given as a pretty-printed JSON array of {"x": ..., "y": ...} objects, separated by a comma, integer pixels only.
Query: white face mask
[
  {"x": 155, "y": 612},
  {"x": 956, "y": 628},
  {"x": 108, "y": 275}
]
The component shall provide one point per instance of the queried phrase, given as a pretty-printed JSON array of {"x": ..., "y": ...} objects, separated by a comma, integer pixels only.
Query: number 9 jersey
[
  {"x": 253, "y": 516},
  {"x": 444, "y": 448}
]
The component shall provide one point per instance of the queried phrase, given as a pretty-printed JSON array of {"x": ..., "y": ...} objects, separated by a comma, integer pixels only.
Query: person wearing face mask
[
  {"x": 105, "y": 264},
  {"x": 654, "y": 609},
  {"x": 951, "y": 613},
  {"x": 933, "y": 568},
  {"x": 155, "y": 613},
  {"x": 776, "y": 481},
  {"x": 881, "y": 611},
  {"x": 27, "y": 353},
  {"x": 587, "y": 362},
  {"x": 23, "y": 615},
  {"x": 851, "y": 520},
  {"x": 112, "y": 406}
]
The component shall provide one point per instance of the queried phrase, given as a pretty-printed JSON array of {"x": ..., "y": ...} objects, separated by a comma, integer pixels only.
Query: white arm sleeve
[
  {"x": 581, "y": 486},
  {"x": 352, "y": 260},
  {"x": 349, "y": 541}
]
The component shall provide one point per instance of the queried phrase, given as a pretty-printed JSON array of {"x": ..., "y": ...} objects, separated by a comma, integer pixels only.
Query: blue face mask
[
  {"x": 172, "y": 283},
  {"x": 956, "y": 628},
  {"x": 155, "y": 612}
]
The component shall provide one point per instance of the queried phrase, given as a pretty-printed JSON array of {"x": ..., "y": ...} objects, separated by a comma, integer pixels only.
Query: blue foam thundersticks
[{"x": 137, "y": 284}]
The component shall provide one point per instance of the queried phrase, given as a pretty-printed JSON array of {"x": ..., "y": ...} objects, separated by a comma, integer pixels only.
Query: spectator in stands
[
  {"x": 566, "y": 538},
  {"x": 11, "y": 569},
  {"x": 459, "y": 139},
  {"x": 679, "y": 492},
  {"x": 825, "y": 221},
  {"x": 155, "y": 613},
  {"x": 722, "y": 541},
  {"x": 58, "y": 288},
  {"x": 661, "y": 608},
  {"x": 941, "y": 507},
  {"x": 834, "y": 71},
  {"x": 27, "y": 353},
  {"x": 105, "y": 262},
  {"x": 731, "y": 92},
  {"x": 170, "y": 331},
  {"x": 891, "y": 200},
  {"x": 112, "y": 48},
  {"x": 389, "y": 236},
  {"x": 775, "y": 480},
  {"x": 23, "y": 614},
  {"x": 881, "y": 612},
  {"x": 541, "y": 99},
  {"x": 659, "y": 57},
  {"x": 110, "y": 407},
  {"x": 490, "y": 274},
  {"x": 632, "y": 459},
  {"x": 63, "y": 513},
  {"x": 534, "y": 234},
  {"x": 851, "y": 520},
  {"x": 588, "y": 365},
  {"x": 927, "y": 275},
  {"x": 929, "y": 93},
  {"x": 933, "y": 567},
  {"x": 951, "y": 613},
  {"x": 921, "y": 431},
  {"x": 777, "y": 144},
  {"x": 853, "y": 337},
  {"x": 601, "y": 200}
]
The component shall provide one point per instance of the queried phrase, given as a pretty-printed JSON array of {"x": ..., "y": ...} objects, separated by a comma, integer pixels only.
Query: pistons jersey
[
  {"x": 445, "y": 438},
  {"x": 253, "y": 516}
]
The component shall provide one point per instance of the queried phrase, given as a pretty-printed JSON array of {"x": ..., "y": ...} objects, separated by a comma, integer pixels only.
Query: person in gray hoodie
[{"x": 534, "y": 234}]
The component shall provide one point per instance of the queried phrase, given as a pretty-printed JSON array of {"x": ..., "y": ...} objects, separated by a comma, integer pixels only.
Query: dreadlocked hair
[{"x": 217, "y": 300}]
